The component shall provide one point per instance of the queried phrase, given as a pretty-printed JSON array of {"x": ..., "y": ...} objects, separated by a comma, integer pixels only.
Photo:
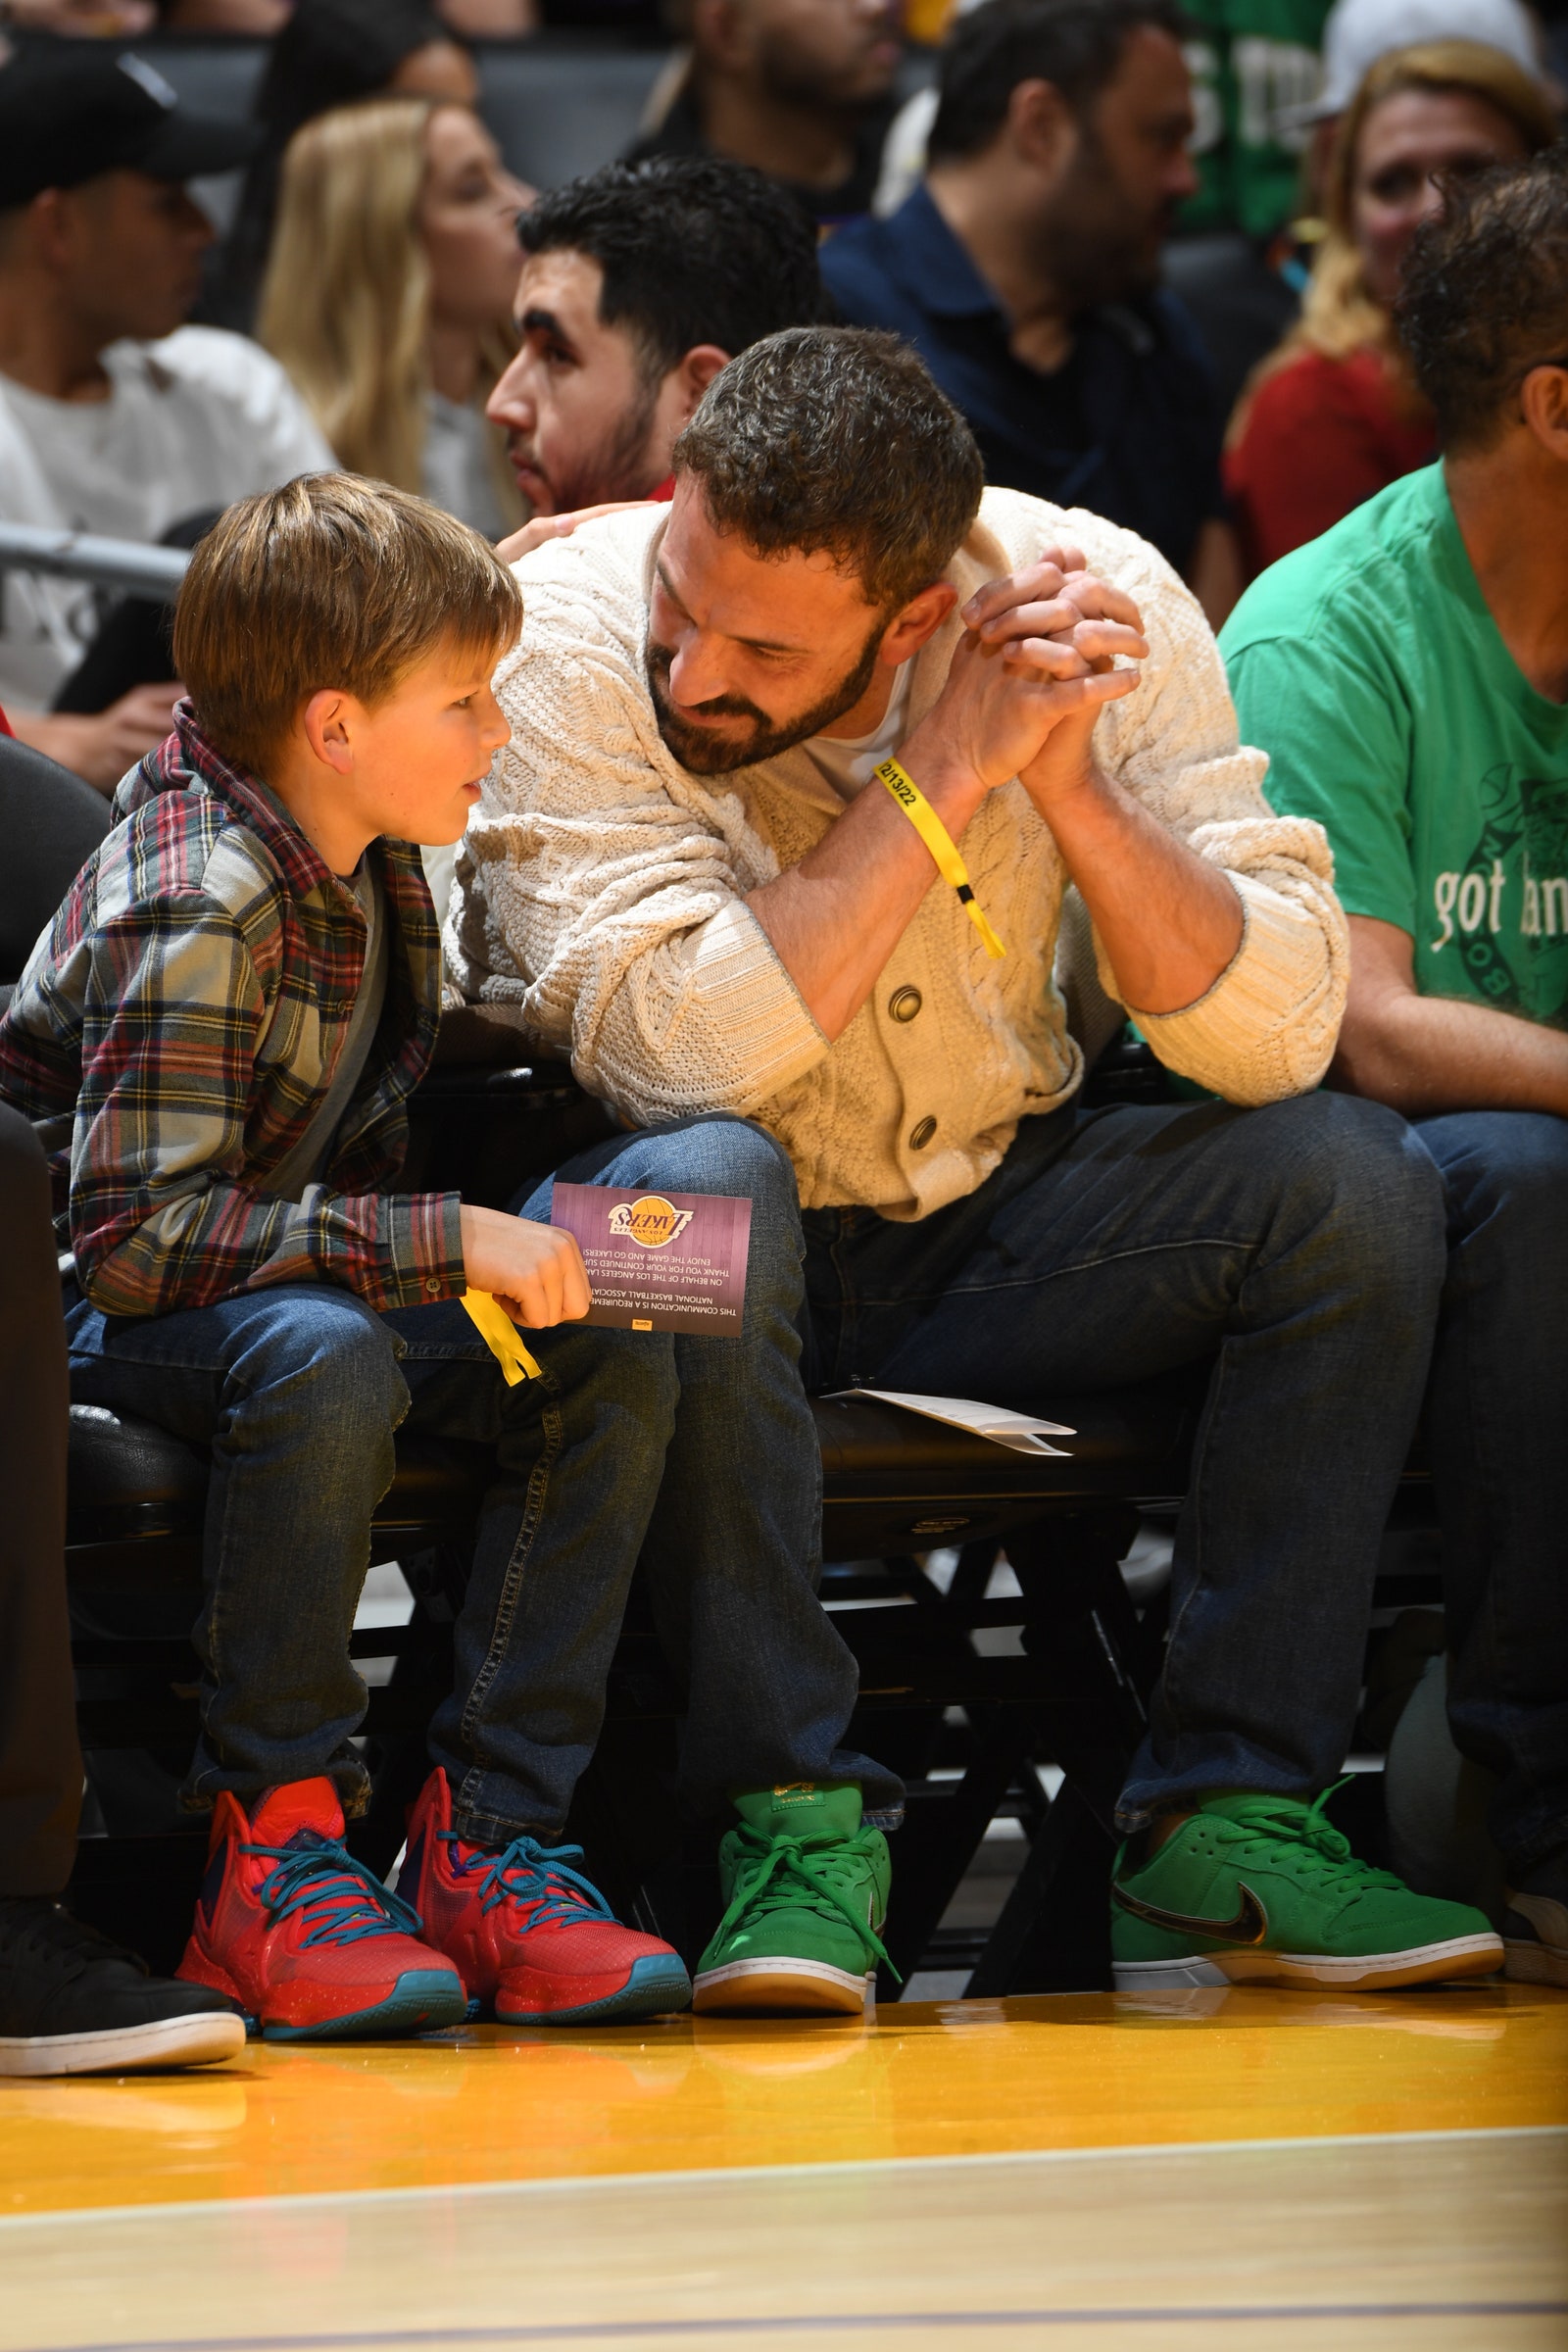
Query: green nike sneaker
[
  {"x": 1265, "y": 1890},
  {"x": 806, "y": 1889}
]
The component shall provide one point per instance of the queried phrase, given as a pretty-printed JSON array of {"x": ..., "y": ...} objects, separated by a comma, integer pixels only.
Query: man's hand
[
  {"x": 545, "y": 528},
  {"x": 101, "y": 749},
  {"x": 535, "y": 1271},
  {"x": 1037, "y": 657}
]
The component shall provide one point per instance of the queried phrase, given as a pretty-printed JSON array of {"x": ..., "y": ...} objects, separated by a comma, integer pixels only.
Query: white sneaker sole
[
  {"x": 205, "y": 2039},
  {"x": 1423, "y": 1964},
  {"x": 782, "y": 1988}
]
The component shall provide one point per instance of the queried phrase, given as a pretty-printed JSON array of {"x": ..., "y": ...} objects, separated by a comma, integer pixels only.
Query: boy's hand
[{"x": 535, "y": 1271}]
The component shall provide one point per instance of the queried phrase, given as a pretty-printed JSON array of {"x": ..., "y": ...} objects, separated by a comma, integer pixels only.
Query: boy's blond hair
[{"x": 333, "y": 582}]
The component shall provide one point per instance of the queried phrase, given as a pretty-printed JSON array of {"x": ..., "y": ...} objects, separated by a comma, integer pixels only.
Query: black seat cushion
[{"x": 50, "y": 825}]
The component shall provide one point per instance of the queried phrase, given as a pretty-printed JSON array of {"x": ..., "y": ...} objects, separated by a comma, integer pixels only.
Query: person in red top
[
  {"x": 1332, "y": 416},
  {"x": 640, "y": 281}
]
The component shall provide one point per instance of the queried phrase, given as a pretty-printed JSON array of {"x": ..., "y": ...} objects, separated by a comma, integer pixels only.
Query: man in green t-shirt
[{"x": 1408, "y": 675}]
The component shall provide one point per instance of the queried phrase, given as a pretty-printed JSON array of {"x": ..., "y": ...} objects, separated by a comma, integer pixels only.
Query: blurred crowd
[{"x": 1150, "y": 254}]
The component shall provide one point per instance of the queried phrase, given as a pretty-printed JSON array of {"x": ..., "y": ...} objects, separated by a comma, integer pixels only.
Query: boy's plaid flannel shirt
[{"x": 189, "y": 1005}]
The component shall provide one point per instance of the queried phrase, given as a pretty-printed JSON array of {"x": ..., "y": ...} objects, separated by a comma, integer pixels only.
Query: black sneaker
[{"x": 73, "y": 2004}]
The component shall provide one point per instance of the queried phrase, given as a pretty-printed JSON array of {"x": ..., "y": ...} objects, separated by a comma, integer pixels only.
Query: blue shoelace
[
  {"x": 342, "y": 1898},
  {"x": 526, "y": 1872}
]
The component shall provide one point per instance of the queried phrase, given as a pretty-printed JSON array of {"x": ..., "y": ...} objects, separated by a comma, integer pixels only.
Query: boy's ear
[{"x": 328, "y": 720}]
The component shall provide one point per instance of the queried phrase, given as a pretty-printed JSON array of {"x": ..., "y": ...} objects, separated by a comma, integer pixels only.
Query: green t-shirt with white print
[{"x": 1369, "y": 668}]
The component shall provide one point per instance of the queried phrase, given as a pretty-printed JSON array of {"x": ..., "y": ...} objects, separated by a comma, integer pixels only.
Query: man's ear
[
  {"x": 1543, "y": 404},
  {"x": 693, "y": 375},
  {"x": 50, "y": 223},
  {"x": 720, "y": 33},
  {"x": 918, "y": 624},
  {"x": 1040, "y": 129},
  {"x": 328, "y": 720}
]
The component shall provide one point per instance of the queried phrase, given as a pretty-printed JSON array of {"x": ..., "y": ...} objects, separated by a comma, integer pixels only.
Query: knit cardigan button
[
  {"x": 904, "y": 1003},
  {"x": 921, "y": 1135}
]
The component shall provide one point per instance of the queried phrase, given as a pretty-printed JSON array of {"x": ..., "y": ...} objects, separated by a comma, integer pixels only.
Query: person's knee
[
  {"x": 324, "y": 1354},
  {"x": 725, "y": 1154},
  {"x": 1505, "y": 1176},
  {"x": 1367, "y": 1192}
]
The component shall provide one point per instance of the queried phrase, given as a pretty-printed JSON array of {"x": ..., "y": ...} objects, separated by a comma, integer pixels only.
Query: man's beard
[
  {"x": 1099, "y": 251},
  {"x": 619, "y": 467},
  {"x": 704, "y": 753},
  {"x": 792, "y": 76}
]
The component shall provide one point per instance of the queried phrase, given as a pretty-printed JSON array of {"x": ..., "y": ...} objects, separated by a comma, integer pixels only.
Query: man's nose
[
  {"x": 695, "y": 672},
  {"x": 195, "y": 226},
  {"x": 508, "y": 404},
  {"x": 1181, "y": 179}
]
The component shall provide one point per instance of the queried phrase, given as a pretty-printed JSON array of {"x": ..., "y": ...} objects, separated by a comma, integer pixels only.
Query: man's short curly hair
[
  {"x": 1485, "y": 293},
  {"x": 835, "y": 438}
]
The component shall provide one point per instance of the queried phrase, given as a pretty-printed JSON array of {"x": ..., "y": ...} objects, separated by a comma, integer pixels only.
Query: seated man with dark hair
[
  {"x": 801, "y": 90},
  {"x": 1408, "y": 675},
  {"x": 1025, "y": 270},
  {"x": 739, "y": 917},
  {"x": 639, "y": 281}
]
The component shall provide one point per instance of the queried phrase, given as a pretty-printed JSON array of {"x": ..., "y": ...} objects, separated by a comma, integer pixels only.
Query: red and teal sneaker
[
  {"x": 304, "y": 1938},
  {"x": 536, "y": 1943},
  {"x": 1254, "y": 1889}
]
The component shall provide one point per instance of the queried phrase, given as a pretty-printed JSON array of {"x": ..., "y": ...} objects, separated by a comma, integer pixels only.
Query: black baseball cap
[{"x": 70, "y": 110}]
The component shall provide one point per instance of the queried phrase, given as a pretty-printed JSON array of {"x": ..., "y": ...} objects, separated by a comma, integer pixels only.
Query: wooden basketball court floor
[{"x": 1167, "y": 2171}]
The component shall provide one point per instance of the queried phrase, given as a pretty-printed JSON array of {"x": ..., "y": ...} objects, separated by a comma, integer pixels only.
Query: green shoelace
[
  {"x": 781, "y": 1874},
  {"x": 1316, "y": 1849}
]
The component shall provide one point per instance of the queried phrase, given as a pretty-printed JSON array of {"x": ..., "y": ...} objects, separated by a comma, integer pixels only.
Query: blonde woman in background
[
  {"x": 388, "y": 296},
  {"x": 1333, "y": 416}
]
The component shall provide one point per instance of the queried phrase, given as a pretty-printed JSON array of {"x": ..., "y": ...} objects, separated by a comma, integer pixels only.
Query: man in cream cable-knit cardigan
[{"x": 686, "y": 874}]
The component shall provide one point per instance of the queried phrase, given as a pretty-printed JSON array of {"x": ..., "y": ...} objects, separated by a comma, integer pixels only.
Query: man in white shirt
[{"x": 114, "y": 417}]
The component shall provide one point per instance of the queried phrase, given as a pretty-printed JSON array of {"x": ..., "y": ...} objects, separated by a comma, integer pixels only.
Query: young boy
[{"x": 238, "y": 998}]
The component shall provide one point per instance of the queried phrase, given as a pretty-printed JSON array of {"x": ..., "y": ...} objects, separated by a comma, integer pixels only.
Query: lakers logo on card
[{"x": 653, "y": 1221}]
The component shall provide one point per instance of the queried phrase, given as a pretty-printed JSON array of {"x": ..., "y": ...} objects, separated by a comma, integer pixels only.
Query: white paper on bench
[{"x": 1021, "y": 1431}]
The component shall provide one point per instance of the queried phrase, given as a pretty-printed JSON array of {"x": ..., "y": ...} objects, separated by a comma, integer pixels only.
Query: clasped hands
[{"x": 1030, "y": 673}]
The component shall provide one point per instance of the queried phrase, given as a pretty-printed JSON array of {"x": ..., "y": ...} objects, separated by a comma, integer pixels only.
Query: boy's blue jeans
[
  {"x": 1499, "y": 1425},
  {"x": 698, "y": 1454}
]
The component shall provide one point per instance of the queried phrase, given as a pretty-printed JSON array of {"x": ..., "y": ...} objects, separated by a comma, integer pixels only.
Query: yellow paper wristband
[
  {"x": 500, "y": 1335},
  {"x": 941, "y": 845}
]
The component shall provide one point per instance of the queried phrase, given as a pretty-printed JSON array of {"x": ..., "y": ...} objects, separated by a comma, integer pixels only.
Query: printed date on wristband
[{"x": 941, "y": 845}]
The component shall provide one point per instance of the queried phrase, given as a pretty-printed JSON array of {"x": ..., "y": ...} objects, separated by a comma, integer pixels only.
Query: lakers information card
[{"x": 660, "y": 1261}]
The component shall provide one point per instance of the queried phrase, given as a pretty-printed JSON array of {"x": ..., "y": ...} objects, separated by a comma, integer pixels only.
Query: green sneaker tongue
[
  {"x": 1240, "y": 1804},
  {"x": 801, "y": 1809}
]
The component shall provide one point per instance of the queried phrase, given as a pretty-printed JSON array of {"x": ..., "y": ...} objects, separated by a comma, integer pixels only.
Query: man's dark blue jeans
[
  {"x": 1499, "y": 1421},
  {"x": 1299, "y": 1245},
  {"x": 698, "y": 1454}
]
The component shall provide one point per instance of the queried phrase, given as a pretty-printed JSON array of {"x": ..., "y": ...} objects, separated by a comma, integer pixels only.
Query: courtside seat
[
  {"x": 966, "y": 1689},
  {"x": 894, "y": 1480},
  {"x": 137, "y": 1497}
]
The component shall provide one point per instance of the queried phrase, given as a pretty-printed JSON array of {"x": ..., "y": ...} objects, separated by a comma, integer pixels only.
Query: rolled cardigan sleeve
[
  {"x": 1269, "y": 1025},
  {"x": 602, "y": 889}
]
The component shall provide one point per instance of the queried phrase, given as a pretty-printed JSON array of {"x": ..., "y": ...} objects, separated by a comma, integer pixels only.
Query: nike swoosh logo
[{"x": 1250, "y": 1925}]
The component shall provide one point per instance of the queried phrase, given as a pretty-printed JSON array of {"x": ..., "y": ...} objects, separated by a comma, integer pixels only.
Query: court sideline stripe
[
  {"x": 567, "y": 2184},
  {"x": 630, "y": 2331}
]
